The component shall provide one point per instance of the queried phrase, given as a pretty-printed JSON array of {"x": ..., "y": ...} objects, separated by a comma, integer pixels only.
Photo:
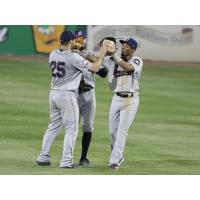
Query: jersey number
[{"x": 57, "y": 69}]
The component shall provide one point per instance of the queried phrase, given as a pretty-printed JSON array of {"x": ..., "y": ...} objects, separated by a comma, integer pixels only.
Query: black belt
[
  {"x": 85, "y": 89},
  {"x": 124, "y": 95},
  {"x": 63, "y": 90}
]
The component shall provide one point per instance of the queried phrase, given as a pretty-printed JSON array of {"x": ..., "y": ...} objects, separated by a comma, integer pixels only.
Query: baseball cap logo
[{"x": 80, "y": 33}]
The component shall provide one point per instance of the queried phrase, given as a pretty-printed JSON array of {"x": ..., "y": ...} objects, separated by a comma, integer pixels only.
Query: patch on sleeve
[
  {"x": 85, "y": 63},
  {"x": 136, "y": 61}
]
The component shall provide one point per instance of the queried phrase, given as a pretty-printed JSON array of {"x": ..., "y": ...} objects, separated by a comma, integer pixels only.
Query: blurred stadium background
[
  {"x": 164, "y": 139},
  {"x": 157, "y": 43}
]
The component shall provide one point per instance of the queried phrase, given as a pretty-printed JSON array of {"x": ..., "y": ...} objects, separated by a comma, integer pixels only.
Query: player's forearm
[
  {"x": 126, "y": 66},
  {"x": 96, "y": 65},
  {"x": 91, "y": 58}
]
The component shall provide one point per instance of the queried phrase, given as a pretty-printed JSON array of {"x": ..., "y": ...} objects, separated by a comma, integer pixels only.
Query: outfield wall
[
  {"x": 16, "y": 40},
  {"x": 158, "y": 43},
  {"x": 30, "y": 40}
]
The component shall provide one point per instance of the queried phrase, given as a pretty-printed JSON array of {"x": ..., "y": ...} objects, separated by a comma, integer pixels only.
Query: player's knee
[
  {"x": 88, "y": 128},
  {"x": 73, "y": 128}
]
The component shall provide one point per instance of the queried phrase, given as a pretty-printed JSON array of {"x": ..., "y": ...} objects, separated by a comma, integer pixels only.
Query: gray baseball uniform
[
  {"x": 124, "y": 103},
  {"x": 87, "y": 107},
  {"x": 87, "y": 100},
  {"x": 67, "y": 68}
]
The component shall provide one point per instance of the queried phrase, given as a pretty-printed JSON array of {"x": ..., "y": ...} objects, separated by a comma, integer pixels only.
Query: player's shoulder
[
  {"x": 56, "y": 52},
  {"x": 76, "y": 56},
  {"x": 78, "y": 60},
  {"x": 137, "y": 60},
  {"x": 53, "y": 52}
]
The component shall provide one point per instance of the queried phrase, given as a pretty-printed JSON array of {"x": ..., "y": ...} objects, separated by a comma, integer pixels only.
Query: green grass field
[{"x": 164, "y": 138}]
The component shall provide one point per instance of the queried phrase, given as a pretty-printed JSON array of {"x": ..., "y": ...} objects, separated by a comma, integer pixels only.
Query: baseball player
[
  {"x": 86, "y": 101},
  {"x": 86, "y": 97},
  {"x": 123, "y": 76},
  {"x": 67, "y": 68}
]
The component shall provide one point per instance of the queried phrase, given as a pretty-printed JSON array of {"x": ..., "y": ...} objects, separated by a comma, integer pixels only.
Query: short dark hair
[{"x": 108, "y": 38}]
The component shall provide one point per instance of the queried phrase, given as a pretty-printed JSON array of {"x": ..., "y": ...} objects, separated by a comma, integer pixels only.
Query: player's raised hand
[
  {"x": 103, "y": 51},
  {"x": 110, "y": 45}
]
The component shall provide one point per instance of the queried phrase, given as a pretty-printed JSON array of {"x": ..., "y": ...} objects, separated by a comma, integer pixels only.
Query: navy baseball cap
[
  {"x": 66, "y": 36},
  {"x": 79, "y": 33},
  {"x": 131, "y": 42}
]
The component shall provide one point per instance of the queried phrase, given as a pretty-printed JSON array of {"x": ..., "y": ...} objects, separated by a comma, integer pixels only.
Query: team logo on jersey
[
  {"x": 3, "y": 34},
  {"x": 136, "y": 61}
]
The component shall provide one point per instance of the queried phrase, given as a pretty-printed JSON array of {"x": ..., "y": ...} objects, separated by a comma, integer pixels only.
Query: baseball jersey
[
  {"x": 87, "y": 76},
  {"x": 67, "y": 68},
  {"x": 121, "y": 80}
]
